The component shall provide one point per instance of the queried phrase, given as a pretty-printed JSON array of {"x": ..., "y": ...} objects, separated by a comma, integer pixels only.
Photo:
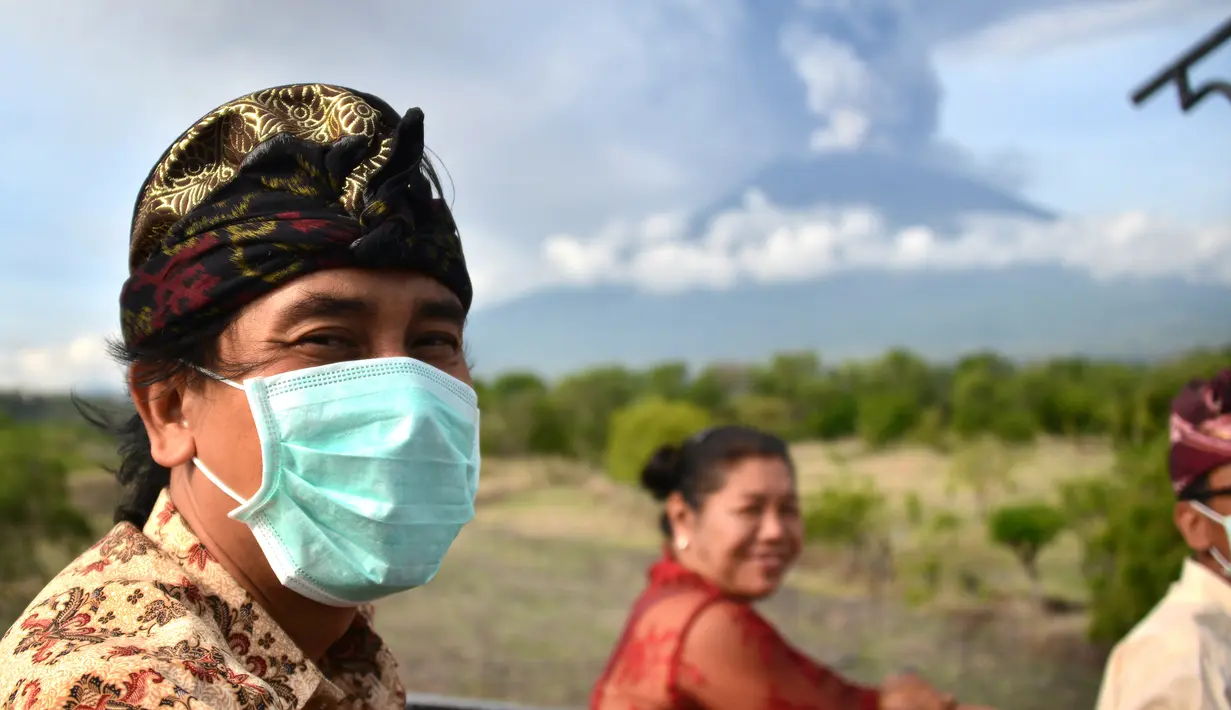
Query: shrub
[
  {"x": 34, "y": 506},
  {"x": 641, "y": 427},
  {"x": 1026, "y": 529},
  {"x": 1136, "y": 553}
]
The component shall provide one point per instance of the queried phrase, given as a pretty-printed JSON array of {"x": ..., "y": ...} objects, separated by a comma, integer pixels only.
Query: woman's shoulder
[
  {"x": 724, "y": 620},
  {"x": 675, "y": 602}
]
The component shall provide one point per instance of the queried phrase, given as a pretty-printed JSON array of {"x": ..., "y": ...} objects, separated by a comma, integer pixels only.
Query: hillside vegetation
[{"x": 1013, "y": 514}]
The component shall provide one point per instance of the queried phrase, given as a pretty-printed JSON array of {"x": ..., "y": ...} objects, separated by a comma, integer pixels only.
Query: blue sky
[
  {"x": 567, "y": 124},
  {"x": 1063, "y": 110}
]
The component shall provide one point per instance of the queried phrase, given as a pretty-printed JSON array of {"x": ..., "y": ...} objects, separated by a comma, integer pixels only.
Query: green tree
[
  {"x": 587, "y": 401},
  {"x": 668, "y": 380},
  {"x": 1026, "y": 529},
  {"x": 1066, "y": 396},
  {"x": 1135, "y": 556},
  {"x": 512, "y": 384},
  {"x": 716, "y": 386},
  {"x": 845, "y": 513},
  {"x": 35, "y": 513},
  {"x": 787, "y": 376},
  {"x": 640, "y": 428},
  {"x": 930, "y": 430},
  {"x": 765, "y": 412},
  {"x": 931, "y": 565},
  {"x": 832, "y": 411},
  {"x": 886, "y": 417},
  {"x": 1085, "y": 500},
  {"x": 983, "y": 467},
  {"x": 987, "y": 399},
  {"x": 518, "y": 417},
  {"x": 549, "y": 428},
  {"x": 851, "y": 515}
]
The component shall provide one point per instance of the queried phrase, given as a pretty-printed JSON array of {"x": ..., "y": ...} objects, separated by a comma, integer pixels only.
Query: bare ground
[
  {"x": 533, "y": 594},
  {"x": 531, "y": 618}
]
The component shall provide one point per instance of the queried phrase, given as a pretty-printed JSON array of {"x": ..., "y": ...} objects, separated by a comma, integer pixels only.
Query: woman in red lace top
[{"x": 693, "y": 640}]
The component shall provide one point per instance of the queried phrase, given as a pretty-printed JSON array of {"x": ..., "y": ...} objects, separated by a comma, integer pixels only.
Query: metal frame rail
[
  {"x": 418, "y": 701},
  {"x": 1177, "y": 72}
]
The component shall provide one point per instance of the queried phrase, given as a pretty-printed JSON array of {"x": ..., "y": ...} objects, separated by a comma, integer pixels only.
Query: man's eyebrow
[
  {"x": 323, "y": 305},
  {"x": 448, "y": 310}
]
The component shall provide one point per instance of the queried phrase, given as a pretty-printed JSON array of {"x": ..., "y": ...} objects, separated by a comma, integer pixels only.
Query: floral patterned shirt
[{"x": 148, "y": 619}]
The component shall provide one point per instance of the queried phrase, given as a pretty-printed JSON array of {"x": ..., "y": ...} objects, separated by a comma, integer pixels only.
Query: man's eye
[
  {"x": 324, "y": 340},
  {"x": 438, "y": 340}
]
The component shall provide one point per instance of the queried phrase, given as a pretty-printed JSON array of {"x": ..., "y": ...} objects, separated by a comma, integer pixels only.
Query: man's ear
[
  {"x": 1198, "y": 531},
  {"x": 160, "y": 406},
  {"x": 683, "y": 518}
]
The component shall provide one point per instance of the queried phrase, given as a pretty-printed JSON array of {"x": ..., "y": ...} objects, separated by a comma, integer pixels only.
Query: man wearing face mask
[
  {"x": 306, "y": 437},
  {"x": 1179, "y": 656}
]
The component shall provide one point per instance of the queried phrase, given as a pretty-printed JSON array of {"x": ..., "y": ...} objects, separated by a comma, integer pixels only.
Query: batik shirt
[
  {"x": 687, "y": 646},
  {"x": 149, "y": 619}
]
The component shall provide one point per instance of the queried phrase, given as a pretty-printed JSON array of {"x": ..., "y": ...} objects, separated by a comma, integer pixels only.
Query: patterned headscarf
[
  {"x": 275, "y": 185},
  {"x": 1200, "y": 429}
]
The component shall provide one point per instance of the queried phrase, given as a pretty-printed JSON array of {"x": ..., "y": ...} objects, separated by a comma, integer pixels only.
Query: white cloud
[
  {"x": 847, "y": 130},
  {"x": 543, "y": 126},
  {"x": 840, "y": 88},
  {"x": 761, "y": 242},
  {"x": 1051, "y": 28},
  {"x": 867, "y": 74},
  {"x": 77, "y": 364}
]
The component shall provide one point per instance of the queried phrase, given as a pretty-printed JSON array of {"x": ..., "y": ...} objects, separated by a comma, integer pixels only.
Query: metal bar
[
  {"x": 1177, "y": 71},
  {"x": 426, "y": 701}
]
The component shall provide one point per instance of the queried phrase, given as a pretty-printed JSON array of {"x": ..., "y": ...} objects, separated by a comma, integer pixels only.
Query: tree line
[
  {"x": 613, "y": 416},
  {"x": 897, "y": 397},
  {"x": 981, "y": 408}
]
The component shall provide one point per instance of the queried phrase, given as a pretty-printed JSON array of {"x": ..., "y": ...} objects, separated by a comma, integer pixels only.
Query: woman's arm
[{"x": 732, "y": 659}]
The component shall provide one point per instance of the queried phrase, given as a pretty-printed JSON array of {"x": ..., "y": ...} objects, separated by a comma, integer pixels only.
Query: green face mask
[{"x": 370, "y": 470}]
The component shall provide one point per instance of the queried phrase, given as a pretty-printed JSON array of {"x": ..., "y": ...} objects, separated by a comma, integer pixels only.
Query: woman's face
[
  {"x": 326, "y": 317},
  {"x": 748, "y": 533}
]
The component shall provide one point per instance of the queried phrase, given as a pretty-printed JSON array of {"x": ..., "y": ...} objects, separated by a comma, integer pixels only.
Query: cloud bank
[{"x": 762, "y": 242}]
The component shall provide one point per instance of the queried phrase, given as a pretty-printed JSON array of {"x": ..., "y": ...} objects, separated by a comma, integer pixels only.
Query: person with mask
[
  {"x": 693, "y": 640},
  {"x": 1179, "y": 656},
  {"x": 306, "y": 436}
]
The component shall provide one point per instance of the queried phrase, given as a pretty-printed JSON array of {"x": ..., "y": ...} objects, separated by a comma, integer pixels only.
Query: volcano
[{"x": 1021, "y": 311}]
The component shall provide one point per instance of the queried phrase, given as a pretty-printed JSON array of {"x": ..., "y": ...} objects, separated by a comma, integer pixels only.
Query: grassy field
[{"x": 533, "y": 594}]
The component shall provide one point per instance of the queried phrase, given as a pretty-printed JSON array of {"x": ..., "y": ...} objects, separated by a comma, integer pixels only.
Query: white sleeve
[{"x": 1157, "y": 672}]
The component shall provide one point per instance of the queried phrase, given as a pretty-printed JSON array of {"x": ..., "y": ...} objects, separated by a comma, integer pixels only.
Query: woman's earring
[{"x": 681, "y": 543}]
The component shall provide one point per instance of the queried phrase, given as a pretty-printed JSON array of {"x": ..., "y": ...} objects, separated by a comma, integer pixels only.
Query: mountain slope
[
  {"x": 904, "y": 191},
  {"x": 1021, "y": 311}
]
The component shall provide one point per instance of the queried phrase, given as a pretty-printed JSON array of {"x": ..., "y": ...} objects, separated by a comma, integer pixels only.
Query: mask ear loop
[
  {"x": 213, "y": 478},
  {"x": 217, "y": 481},
  {"x": 214, "y": 376},
  {"x": 1213, "y": 551}
]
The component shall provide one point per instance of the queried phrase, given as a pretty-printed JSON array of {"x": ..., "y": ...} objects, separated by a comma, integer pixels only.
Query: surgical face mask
[
  {"x": 369, "y": 472},
  {"x": 1225, "y": 523}
]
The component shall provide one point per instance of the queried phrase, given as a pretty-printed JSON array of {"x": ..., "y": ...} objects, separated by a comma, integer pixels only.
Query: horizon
[{"x": 112, "y": 395}]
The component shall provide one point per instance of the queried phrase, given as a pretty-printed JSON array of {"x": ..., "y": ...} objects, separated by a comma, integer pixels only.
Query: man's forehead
[
  {"x": 1221, "y": 477},
  {"x": 360, "y": 287}
]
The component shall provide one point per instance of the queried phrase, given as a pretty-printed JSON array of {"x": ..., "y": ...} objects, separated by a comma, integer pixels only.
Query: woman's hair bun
[{"x": 662, "y": 473}]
